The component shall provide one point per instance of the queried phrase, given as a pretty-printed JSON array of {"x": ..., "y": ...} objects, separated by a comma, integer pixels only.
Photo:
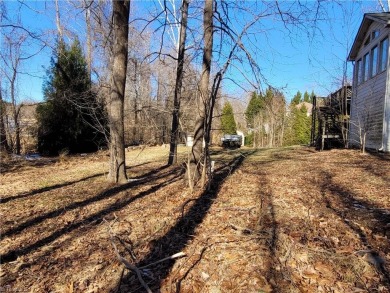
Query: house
[
  {"x": 308, "y": 106},
  {"x": 27, "y": 124},
  {"x": 370, "y": 104}
]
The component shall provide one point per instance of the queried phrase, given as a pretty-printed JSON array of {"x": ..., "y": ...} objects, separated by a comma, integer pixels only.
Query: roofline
[{"x": 368, "y": 19}]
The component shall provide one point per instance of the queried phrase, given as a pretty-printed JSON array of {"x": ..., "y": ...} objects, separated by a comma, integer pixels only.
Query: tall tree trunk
[
  {"x": 136, "y": 128},
  {"x": 179, "y": 81},
  {"x": 3, "y": 135},
  {"x": 58, "y": 21},
  {"x": 117, "y": 172},
  {"x": 160, "y": 119},
  {"x": 17, "y": 131},
  {"x": 89, "y": 36},
  {"x": 197, "y": 158},
  {"x": 15, "y": 110}
]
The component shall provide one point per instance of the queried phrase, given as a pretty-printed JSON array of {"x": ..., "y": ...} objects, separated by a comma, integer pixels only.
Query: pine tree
[
  {"x": 306, "y": 97},
  {"x": 302, "y": 126},
  {"x": 297, "y": 98},
  {"x": 228, "y": 122},
  {"x": 254, "y": 106},
  {"x": 65, "y": 120},
  {"x": 299, "y": 126}
]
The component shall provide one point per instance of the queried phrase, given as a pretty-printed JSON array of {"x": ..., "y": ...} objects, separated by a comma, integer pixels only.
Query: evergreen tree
[
  {"x": 297, "y": 98},
  {"x": 254, "y": 107},
  {"x": 302, "y": 126},
  {"x": 65, "y": 120},
  {"x": 265, "y": 116},
  {"x": 298, "y": 126},
  {"x": 228, "y": 122},
  {"x": 306, "y": 97},
  {"x": 312, "y": 95}
]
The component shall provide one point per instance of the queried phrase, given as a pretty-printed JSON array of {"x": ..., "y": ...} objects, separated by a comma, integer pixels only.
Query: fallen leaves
[{"x": 288, "y": 220}]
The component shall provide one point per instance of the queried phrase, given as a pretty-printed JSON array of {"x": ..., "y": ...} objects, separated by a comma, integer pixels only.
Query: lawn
[{"x": 273, "y": 220}]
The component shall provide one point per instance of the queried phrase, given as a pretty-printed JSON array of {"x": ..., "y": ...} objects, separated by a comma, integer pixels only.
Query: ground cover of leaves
[{"x": 273, "y": 220}]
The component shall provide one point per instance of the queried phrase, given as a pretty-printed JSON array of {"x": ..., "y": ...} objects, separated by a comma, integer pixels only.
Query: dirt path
[{"x": 279, "y": 220}]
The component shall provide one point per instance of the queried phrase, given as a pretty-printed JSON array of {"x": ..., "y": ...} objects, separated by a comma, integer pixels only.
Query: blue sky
[{"x": 290, "y": 61}]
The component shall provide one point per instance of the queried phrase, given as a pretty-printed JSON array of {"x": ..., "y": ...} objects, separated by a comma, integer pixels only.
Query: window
[
  {"x": 374, "y": 61},
  {"x": 366, "y": 65},
  {"x": 359, "y": 71},
  {"x": 384, "y": 54}
]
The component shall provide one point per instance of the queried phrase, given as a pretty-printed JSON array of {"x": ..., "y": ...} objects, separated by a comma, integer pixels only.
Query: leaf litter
[{"x": 273, "y": 220}]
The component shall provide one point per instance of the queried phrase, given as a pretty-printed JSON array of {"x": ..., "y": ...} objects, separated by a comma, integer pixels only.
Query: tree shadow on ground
[
  {"x": 44, "y": 189},
  {"x": 178, "y": 236},
  {"x": 136, "y": 181},
  {"x": 285, "y": 154},
  {"x": 268, "y": 228},
  {"x": 93, "y": 218},
  {"x": 14, "y": 165},
  {"x": 377, "y": 169},
  {"x": 358, "y": 214},
  {"x": 53, "y": 187},
  {"x": 381, "y": 156}
]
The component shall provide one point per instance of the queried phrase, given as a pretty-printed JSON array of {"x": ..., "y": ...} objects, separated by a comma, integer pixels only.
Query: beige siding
[
  {"x": 386, "y": 124},
  {"x": 368, "y": 101}
]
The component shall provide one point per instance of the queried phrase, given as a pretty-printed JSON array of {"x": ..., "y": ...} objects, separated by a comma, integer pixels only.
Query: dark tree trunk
[
  {"x": 15, "y": 111},
  {"x": 3, "y": 136},
  {"x": 117, "y": 172},
  {"x": 17, "y": 134},
  {"x": 197, "y": 154},
  {"x": 136, "y": 128},
  {"x": 179, "y": 81}
]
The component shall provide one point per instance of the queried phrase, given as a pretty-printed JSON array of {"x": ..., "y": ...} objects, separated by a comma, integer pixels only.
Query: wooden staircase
[{"x": 330, "y": 119}]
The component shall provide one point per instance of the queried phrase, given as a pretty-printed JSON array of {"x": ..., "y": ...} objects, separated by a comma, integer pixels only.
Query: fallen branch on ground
[
  {"x": 176, "y": 255},
  {"x": 132, "y": 267}
]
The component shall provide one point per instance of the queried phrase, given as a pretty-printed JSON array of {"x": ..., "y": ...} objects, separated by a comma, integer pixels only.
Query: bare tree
[
  {"x": 365, "y": 125},
  {"x": 120, "y": 17},
  {"x": 58, "y": 20},
  {"x": 197, "y": 159},
  {"x": 383, "y": 7},
  {"x": 199, "y": 165},
  {"x": 3, "y": 135},
  {"x": 89, "y": 35},
  {"x": 178, "y": 86},
  {"x": 12, "y": 57}
]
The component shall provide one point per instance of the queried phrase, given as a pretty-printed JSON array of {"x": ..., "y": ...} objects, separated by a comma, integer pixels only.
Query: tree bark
[
  {"x": 58, "y": 21},
  {"x": 117, "y": 172},
  {"x": 89, "y": 36},
  {"x": 137, "y": 99},
  {"x": 15, "y": 108},
  {"x": 3, "y": 136},
  {"x": 16, "y": 113},
  {"x": 197, "y": 158},
  {"x": 179, "y": 81}
]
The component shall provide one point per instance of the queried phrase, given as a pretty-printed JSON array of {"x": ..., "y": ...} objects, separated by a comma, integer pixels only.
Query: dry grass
[{"x": 277, "y": 220}]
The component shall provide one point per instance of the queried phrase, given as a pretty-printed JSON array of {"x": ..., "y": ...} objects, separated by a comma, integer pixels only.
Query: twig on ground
[
  {"x": 130, "y": 266},
  {"x": 127, "y": 247},
  {"x": 242, "y": 230},
  {"x": 176, "y": 255},
  {"x": 127, "y": 264},
  {"x": 118, "y": 286}
]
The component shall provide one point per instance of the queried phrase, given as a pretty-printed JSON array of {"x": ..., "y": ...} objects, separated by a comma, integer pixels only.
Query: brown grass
[{"x": 275, "y": 220}]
